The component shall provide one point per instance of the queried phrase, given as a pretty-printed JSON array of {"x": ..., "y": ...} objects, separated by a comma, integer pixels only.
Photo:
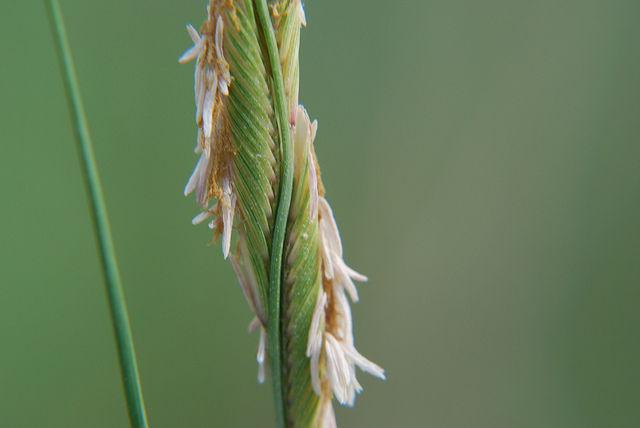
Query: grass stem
[
  {"x": 117, "y": 304},
  {"x": 282, "y": 213}
]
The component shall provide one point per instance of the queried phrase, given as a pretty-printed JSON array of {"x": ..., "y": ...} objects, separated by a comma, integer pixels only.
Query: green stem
[
  {"x": 282, "y": 213},
  {"x": 117, "y": 305}
]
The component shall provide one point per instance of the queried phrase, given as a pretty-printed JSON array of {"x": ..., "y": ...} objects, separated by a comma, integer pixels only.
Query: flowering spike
[{"x": 241, "y": 143}]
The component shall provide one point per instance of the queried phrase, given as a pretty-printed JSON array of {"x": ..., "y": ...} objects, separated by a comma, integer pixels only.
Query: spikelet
[
  {"x": 317, "y": 283},
  {"x": 239, "y": 168},
  {"x": 238, "y": 147}
]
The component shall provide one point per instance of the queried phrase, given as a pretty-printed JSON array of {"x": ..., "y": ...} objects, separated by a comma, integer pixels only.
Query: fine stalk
[{"x": 117, "y": 304}]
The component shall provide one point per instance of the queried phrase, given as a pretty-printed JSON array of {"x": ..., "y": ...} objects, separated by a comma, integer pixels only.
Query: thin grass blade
[{"x": 117, "y": 304}]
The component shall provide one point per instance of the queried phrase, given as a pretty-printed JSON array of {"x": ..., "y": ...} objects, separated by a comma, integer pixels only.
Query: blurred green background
[{"x": 483, "y": 162}]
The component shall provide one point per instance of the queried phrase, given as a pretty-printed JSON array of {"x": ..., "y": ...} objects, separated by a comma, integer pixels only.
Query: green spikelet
[
  {"x": 254, "y": 138},
  {"x": 288, "y": 17},
  {"x": 239, "y": 140},
  {"x": 302, "y": 281}
]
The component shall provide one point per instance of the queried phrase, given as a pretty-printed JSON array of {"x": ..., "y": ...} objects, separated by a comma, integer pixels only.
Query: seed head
[{"x": 239, "y": 168}]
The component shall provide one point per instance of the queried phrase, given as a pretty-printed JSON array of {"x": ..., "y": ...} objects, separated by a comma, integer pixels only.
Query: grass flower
[{"x": 258, "y": 164}]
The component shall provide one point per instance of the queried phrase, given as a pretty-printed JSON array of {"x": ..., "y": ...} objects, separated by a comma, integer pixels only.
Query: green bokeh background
[{"x": 483, "y": 161}]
